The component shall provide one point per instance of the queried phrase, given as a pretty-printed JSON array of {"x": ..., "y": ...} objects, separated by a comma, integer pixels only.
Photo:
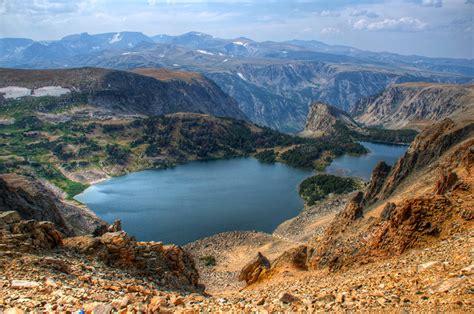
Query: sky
[{"x": 435, "y": 28}]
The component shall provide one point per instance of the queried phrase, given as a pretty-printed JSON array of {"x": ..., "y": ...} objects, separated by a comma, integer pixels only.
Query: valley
[{"x": 192, "y": 173}]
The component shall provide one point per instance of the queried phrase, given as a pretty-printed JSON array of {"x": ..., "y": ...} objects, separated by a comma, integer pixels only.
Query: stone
[
  {"x": 469, "y": 270},
  {"x": 251, "y": 272},
  {"x": 285, "y": 297},
  {"x": 24, "y": 284},
  {"x": 427, "y": 265},
  {"x": 14, "y": 310},
  {"x": 9, "y": 217},
  {"x": 447, "y": 285},
  {"x": 124, "y": 302}
]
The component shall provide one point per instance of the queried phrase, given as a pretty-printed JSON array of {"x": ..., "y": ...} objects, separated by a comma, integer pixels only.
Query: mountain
[
  {"x": 325, "y": 121},
  {"x": 322, "y": 119},
  {"x": 415, "y": 105},
  {"x": 274, "y": 83},
  {"x": 156, "y": 92}
]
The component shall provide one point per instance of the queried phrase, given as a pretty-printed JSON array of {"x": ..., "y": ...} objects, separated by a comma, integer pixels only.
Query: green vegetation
[
  {"x": 266, "y": 156},
  {"x": 318, "y": 153},
  {"x": 374, "y": 134},
  {"x": 208, "y": 260},
  {"x": 51, "y": 174},
  {"x": 318, "y": 187}
]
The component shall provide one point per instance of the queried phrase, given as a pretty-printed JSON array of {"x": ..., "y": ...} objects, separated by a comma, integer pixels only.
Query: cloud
[
  {"x": 366, "y": 13},
  {"x": 432, "y": 3},
  {"x": 407, "y": 23},
  {"x": 330, "y": 31}
]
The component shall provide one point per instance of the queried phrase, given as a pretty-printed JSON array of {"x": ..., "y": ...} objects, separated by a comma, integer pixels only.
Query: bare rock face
[
  {"x": 377, "y": 179},
  {"x": 255, "y": 269},
  {"x": 322, "y": 119},
  {"x": 27, "y": 235},
  {"x": 415, "y": 105},
  {"x": 34, "y": 200},
  {"x": 167, "y": 263},
  {"x": 295, "y": 258},
  {"x": 427, "y": 148},
  {"x": 30, "y": 199},
  {"x": 410, "y": 219}
]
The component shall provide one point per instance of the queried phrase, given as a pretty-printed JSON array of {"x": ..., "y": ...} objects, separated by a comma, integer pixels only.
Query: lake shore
[{"x": 233, "y": 250}]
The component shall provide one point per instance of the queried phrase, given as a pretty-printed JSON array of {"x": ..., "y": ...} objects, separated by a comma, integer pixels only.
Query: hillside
[
  {"x": 322, "y": 119},
  {"x": 403, "y": 243},
  {"x": 326, "y": 121},
  {"x": 273, "y": 82},
  {"x": 123, "y": 92},
  {"x": 415, "y": 105}
]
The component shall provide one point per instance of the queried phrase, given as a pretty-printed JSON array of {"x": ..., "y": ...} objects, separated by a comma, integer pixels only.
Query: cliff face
[
  {"x": 425, "y": 197},
  {"x": 34, "y": 201},
  {"x": 146, "y": 91},
  {"x": 322, "y": 119},
  {"x": 415, "y": 105},
  {"x": 427, "y": 148}
]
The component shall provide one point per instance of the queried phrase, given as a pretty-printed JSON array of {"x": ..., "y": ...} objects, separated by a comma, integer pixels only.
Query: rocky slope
[
  {"x": 325, "y": 121},
  {"x": 146, "y": 92},
  {"x": 416, "y": 105},
  {"x": 322, "y": 119},
  {"x": 403, "y": 244},
  {"x": 273, "y": 82},
  {"x": 36, "y": 200},
  {"x": 41, "y": 270}
]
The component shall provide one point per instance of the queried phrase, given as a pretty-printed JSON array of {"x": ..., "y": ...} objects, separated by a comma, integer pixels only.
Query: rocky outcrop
[
  {"x": 255, "y": 270},
  {"x": 32, "y": 199},
  {"x": 168, "y": 264},
  {"x": 17, "y": 235},
  {"x": 322, "y": 119},
  {"x": 415, "y": 105},
  {"x": 425, "y": 212},
  {"x": 377, "y": 179},
  {"x": 426, "y": 149}
]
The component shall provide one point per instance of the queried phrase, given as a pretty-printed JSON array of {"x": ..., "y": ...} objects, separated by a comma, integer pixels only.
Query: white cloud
[
  {"x": 432, "y": 3},
  {"x": 402, "y": 24},
  {"x": 330, "y": 30},
  {"x": 366, "y": 13}
]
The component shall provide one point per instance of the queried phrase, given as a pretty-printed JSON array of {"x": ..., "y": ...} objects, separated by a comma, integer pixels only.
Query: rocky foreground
[{"x": 404, "y": 243}]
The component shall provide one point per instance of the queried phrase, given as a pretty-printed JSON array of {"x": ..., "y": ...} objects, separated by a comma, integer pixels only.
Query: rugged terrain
[
  {"x": 326, "y": 121},
  {"x": 322, "y": 120},
  {"x": 141, "y": 92},
  {"x": 273, "y": 82},
  {"x": 415, "y": 105},
  {"x": 404, "y": 243}
]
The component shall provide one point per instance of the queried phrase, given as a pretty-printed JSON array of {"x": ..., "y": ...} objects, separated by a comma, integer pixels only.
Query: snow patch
[
  {"x": 205, "y": 52},
  {"x": 130, "y": 45},
  {"x": 241, "y": 76},
  {"x": 176, "y": 65},
  {"x": 50, "y": 91},
  {"x": 15, "y": 92},
  {"x": 116, "y": 38},
  {"x": 240, "y": 43},
  {"x": 225, "y": 60}
]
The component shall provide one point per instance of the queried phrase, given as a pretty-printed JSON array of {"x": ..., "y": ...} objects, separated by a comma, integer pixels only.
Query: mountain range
[{"x": 274, "y": 83}]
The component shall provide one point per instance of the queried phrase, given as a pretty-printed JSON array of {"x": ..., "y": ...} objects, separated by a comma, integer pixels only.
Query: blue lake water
[
  {"x": 361, "y": 166},
  {"x": 202, "y": 198}
]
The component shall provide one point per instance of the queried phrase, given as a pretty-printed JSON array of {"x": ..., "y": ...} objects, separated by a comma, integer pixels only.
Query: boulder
[{"x": 252, "y": 272}]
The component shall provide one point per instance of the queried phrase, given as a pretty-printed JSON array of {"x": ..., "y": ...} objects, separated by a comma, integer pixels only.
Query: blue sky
[{"x": 438, "y": 28}]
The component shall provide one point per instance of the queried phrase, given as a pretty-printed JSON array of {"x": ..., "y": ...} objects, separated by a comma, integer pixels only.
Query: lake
[
  {"x": 361, "y": 166},
  {"x": 202, "y": 198}
]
